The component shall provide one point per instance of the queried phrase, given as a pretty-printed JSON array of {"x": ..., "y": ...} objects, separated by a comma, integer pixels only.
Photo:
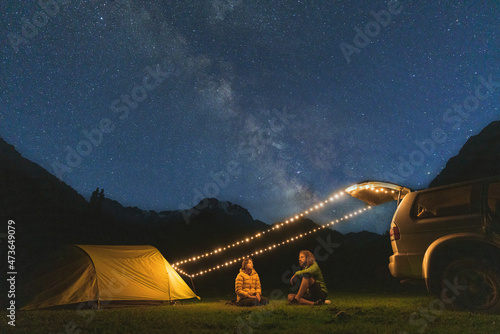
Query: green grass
[{"x": 366, "y": 313}]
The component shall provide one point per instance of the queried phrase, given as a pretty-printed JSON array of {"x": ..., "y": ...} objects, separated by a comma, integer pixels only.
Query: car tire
[{"x": 472, "y": 284}]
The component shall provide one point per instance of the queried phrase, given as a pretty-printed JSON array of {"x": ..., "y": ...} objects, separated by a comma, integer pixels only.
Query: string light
[
  {"x": 273, "y": 246},
  {"x": 386, "y": 188},
  {"x": 292, "y": 219}
]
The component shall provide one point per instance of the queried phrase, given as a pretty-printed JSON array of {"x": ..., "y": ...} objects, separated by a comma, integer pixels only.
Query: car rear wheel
[{"x": 472, "y": 284}]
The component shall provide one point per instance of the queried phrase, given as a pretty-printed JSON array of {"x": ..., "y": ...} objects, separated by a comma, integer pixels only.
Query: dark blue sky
[{"x": 272, "y": 105}]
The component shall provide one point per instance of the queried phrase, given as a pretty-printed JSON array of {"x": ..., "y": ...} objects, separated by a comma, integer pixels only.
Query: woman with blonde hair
[
  {"x": 312, "y": 290},
  {"x": 247, "y": 286}
]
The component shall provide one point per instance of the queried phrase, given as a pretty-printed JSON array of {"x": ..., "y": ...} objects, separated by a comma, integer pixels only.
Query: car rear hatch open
[{"x": 376, "y": 193}]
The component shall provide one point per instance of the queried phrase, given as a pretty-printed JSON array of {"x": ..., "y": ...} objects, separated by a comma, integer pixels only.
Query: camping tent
[{"x": 104, "y": 274}]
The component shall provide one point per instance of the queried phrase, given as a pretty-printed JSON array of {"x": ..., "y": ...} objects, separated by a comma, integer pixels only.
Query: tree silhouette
[
  {"x": 96, "y": 201},
  {"x": 100, "y": 200},
  {"x": 93, "y": 198}
]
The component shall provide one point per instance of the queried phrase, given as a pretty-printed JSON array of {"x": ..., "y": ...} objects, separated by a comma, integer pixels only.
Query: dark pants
[
  {"x": 253, "y": 302},
  {"x": 314, "y": 293}
]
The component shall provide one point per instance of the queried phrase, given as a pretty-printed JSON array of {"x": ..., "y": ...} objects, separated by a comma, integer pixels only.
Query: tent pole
[{"x": 192, "y": 283}]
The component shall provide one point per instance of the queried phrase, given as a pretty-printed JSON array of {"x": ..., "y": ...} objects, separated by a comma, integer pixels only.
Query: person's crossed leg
[{"x": 305, "y": 284}]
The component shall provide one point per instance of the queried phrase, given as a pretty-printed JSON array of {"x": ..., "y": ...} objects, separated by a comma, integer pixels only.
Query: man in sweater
[{"x": 312, "y": 290}]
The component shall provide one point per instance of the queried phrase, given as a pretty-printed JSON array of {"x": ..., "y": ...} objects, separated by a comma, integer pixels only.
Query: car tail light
[{"x": 395, "y": 233}]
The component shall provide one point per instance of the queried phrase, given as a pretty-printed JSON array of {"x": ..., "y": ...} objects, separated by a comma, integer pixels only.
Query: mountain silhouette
[
  {"x": 39, "y": 203},
  {"x": 478, "y": 158}
]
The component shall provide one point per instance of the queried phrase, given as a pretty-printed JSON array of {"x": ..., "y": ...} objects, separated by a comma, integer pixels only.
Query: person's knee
[{"x": 308, "y": 281}]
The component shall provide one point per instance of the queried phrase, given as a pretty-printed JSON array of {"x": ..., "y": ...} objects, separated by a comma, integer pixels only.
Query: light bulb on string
[
  {"x": 258, "y": 252},
  {"x": 297, "y": 216}
]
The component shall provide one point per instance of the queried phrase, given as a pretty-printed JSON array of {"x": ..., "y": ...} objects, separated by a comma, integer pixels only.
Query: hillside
[{"x": 478, "y": 158}]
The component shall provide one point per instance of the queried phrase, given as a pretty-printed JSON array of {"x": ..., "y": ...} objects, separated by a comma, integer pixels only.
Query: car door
[
  {"x": 377, "y": 192},
  {"x": 493, "y": 206}
]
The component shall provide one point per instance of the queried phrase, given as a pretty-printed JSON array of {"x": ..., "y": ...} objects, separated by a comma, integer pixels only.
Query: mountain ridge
[{"x": 479, "y": 157}]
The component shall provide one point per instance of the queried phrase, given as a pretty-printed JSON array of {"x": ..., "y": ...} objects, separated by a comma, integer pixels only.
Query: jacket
[{"x": 247, "y": 285}]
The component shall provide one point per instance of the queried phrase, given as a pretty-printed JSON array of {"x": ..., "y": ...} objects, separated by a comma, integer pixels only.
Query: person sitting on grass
[
  {"x": 312, "y": 290},
  {"x": 247, "y": 286}
]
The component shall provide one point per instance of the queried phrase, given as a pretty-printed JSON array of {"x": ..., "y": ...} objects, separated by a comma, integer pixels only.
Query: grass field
[{"x": 364, "y": 313}]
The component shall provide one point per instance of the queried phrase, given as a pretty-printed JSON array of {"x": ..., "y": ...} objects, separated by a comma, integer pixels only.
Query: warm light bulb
[{"x": 278, "y": 225}]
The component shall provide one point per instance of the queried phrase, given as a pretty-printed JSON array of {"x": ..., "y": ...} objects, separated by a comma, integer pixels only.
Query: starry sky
[{"x": 272, "y": 105}]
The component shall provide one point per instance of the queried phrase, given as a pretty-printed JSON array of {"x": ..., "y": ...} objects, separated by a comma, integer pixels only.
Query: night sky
[{"x": 272, "y": 105}]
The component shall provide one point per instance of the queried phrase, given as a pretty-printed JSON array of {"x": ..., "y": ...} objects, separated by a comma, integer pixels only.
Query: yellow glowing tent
[{"x": 91, "y": 275}]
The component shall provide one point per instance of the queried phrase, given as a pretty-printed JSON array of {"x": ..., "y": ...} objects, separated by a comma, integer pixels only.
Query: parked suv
[{"x": 448, "y": 236}]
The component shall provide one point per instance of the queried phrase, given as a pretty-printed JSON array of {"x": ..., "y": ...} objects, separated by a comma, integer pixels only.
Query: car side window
[
  {"x": 494, "y": 204},
  {"x": 444, "y": 203}
]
